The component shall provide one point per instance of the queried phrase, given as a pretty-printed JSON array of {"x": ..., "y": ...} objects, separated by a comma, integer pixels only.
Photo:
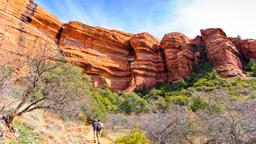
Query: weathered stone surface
[
  {"x": 246, "y": 47},
  {"x": 19, "y": 38},
  {"x": 102, "y": 53},
  {"x": 29, "y": 12},
  {"x": 222, "y": 53},
  {"x": 148, "y": 69},
  {"x": 179, "y": 55}
]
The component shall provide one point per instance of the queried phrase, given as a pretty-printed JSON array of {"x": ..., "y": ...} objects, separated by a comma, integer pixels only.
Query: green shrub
[
  {"x": 135, "y": 137},
  {"x": 153, "y": 94},
  {"x": 198, "y": 104},
  {"x": 99, "y": 108},
  {"x": 142, "y": 91},
  {"x": 83, "y": 118},
  {"x": 180, "y": 84},
  {"x": 105, "y": 99},
  {"x": 166, "y": 87},
  {"x": 216, "y": 108},
  {"x": 160, "y": 104},
  {"x": 179, "y": 100},
  {"x": 251, "y": 67},
  {"x": 210, "y": 82},
  {"x": 132, "y": 103}
]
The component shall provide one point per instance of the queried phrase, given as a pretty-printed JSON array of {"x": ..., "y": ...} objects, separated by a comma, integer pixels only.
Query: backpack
[{"x": 98, "y": 126}]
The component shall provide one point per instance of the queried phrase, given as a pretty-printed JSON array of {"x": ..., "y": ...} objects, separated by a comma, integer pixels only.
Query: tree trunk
[{"x": 7, "y": 120}]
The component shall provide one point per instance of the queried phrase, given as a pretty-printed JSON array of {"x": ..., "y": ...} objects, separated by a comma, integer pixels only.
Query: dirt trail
[
  {"x": 55, "y": 130},
  {"x": 89, "y": 137}
]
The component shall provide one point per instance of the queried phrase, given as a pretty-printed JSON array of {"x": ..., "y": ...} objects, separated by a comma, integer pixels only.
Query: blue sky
[{"x": 158, "y": 17}]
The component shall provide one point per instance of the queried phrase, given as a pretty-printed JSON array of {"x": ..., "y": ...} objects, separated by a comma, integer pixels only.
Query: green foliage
[
  {"x": 216, "y": 108},
  {"x": 178, "y": 85},
  {"x": 70, "y": 75},
  {"x": 105, "y": 101},
  {"x": 83, "y": 118},
  {"x": 179, "y": 100},
  {"x": 142, "y": 91},
  {"x": 210, "y": 82},
  {"x": 135, "y": 137},
  {"x": 133, "y": 104},
  {"x": 159, "y": 104},
  {"x": 251, "y": 67},
  {"x": 98, "y": 102},
  {"x": 198, "y": 104},
  {"x": 6, "y": 70},
  {"x": 27, "y": 135},
  {"x": 202, "y": 68},
  {"x": 205, "y": 82}
]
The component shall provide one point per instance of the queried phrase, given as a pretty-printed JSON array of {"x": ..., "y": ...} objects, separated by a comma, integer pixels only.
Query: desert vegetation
[
  {"x": 203, "y": 109},
  {"x": 206, "y": 109}
]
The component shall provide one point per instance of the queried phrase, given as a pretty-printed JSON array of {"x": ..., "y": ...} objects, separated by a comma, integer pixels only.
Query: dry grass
[{"x": 54, "y": 130}]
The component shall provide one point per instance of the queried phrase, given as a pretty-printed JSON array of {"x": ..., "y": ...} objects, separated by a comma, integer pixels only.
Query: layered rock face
[
  {"x": 179, "y": 55},
  {"x": 20, "y": 36},
  {"x": 247, "y": 48},
  {"x": 120, "y": 60},
  {"x": 148, "y": 68},
  {"x": 102, "y": 53},
  {"x": 222, "y": 53}
]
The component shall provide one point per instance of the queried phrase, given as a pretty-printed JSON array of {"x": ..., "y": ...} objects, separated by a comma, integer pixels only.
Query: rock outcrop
[
  {"x": 25, "y": 28},
  {"x": 148, "y": 68},
  {"x": 179, "y": 55},
  {"x": 102, "y": 53},
  {"x": 120, "y": 60},
  {"x": 222, "y": 53},
  {"x": 247, "y": 48}
]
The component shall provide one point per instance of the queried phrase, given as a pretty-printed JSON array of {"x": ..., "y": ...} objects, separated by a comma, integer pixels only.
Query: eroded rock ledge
[{"x": 121, "y": 60}]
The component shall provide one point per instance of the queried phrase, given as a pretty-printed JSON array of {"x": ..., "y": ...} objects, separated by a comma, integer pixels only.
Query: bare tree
[
  {"x": 172, "y": 127},
  {"x": 236, "y": 125},
  {"x": 45, "y": 85}
]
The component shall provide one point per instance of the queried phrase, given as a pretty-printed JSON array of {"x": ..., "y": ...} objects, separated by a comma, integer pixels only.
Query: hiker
[
  {"x": 94, "y": 122},
  {"x": 99, "y": 127}
]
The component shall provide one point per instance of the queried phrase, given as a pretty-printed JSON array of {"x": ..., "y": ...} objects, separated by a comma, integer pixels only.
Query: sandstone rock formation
[
  {"x": 179, "y": 55},
  {"x": 222, "y": 53},
  {"x": 148, "y": 68},
  {"x": 246, "y": 47},
  {"x": 102, "y": 53},
  {"x": 20, "y": 36},
  {"x": 122, "y": 61}
]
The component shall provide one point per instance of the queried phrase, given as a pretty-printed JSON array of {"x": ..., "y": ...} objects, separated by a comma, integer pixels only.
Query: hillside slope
[{"x": 52, "y": 129}]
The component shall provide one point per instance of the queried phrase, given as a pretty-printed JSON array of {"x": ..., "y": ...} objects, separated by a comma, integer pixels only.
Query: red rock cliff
[
  {"x": 121, "y": 60},
  {"x": 178, "y": 55},
  {"x": 148, "y": 68},
  {"x": 222, "y": 53},
  {"x": 25, "y": 27},
  {"x": 104, "y": 54}
]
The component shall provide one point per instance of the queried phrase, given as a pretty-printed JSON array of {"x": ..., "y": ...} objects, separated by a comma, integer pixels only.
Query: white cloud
[{"x": 235, "y": 17}]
